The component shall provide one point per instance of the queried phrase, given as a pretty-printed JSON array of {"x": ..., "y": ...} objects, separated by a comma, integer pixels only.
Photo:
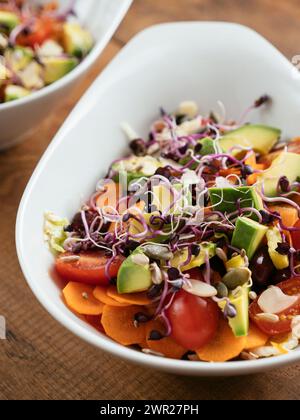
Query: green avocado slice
[
  {"x": 248, "y": 235},
  {"x": 286, "y": 164},
  {"x": 225, "y": 199},
  {"x": 9, "y": 20},
  {"x": 240, "y": 323},
  {"x": 134, "y": 277},
  {"x": 57, "y": 67},
  {"x": 260, "y": 138}
]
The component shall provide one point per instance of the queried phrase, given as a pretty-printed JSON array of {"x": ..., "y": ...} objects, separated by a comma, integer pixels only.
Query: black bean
[
  {"x": 165, "y": 172},
  {"x": 173, "y": 273},
  {"x": 195, "y": 250},
  {"x": 283, "y": 248},
  {"x": 180, "y": 118},
  {"x": 198, "y": 148},
  {"x": 262, "y": 268},
  {"x": 155, "y": 336},
  {"x": 267, "y": 217},
  {"x": 246, "y": 170},
  {"x": 141, "y": 318},
  {"x": 284, "y": 184},
  {"x": 261, "y": 101},
  {"x": 154, "y": 291},
  {"x": 138, "y": 147}
]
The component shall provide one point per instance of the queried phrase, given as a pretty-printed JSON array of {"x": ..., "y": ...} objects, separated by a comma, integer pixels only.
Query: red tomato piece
[
  {"x": 194, "y": 320},
  {"x": 88, "y": 269},
  {"x": 44, "y": 28},
  {"x": 289, "y": 287}
]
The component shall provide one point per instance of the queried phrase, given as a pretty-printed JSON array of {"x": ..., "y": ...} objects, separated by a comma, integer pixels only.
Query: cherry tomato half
[
  {"x": 289, "y": 287},
  {"x": 194, "y": 320},
  {"x": 43, "y": 29},
  {"x": 89, "y": 269},
  {"x": 296, "y": 236}
]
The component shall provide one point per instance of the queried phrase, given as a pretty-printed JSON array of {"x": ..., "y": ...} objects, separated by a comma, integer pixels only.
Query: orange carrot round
[
  {"x": 118, "y": 324},
  {"x": 166, "y": 346},
  {"x": 79, "y": 297},
  {"x": 100, "y": 293},
  {"x": 255, "y": 338},
  {"x": 139, "y": 299},
  {"x": 225, "y": 346}
]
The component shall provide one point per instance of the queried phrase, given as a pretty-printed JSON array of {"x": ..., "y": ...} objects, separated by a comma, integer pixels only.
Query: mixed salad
[
  {"x": 39, "y": 44},
  {"x": 189, "y": 247}
]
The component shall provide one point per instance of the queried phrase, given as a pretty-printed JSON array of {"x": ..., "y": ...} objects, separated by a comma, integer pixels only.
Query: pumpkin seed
[
  {"x": 158, "y": 252},
  {"x": 236, "y": 277}
]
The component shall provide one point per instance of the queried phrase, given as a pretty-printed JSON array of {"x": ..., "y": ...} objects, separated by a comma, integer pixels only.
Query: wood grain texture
[{"x": 40, "y": 359}]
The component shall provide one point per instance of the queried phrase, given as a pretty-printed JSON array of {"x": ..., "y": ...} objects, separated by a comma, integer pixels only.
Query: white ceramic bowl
[
  {"x": 19, "y": 118},
  {"x": 163, "y": 65}
]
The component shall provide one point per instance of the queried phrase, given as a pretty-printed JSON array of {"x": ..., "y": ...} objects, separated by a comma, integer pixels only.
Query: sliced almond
[
  {"x": 199, "y": 288},
  {"x": 274, "y": 301},
  {"x": 268, "y": 317},
  {"x": 267, "y": 351}
]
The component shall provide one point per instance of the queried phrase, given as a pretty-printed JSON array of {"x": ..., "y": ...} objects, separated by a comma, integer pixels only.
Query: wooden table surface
[{"x": 42, "y": 360}]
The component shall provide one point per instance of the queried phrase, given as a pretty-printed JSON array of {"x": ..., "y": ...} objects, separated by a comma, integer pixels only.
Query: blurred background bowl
[{"x": 20, "y": 118}]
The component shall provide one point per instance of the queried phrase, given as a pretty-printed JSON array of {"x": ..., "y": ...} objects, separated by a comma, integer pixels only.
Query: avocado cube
[
  {"x": 165, "y": 202},
  {"x": 248, "y": 235},
  {"x": 133, "y": 277},
  {"x": 182, "y": 256},
  {"x": 260, "y": 138},
  {"x": 286, "y": 164},
  {"x": 77, "y": 41},
  {"x": 13, "y": 92},
  {"x": 57, "y": 67},
  {"x": 8, "y": 20},
  {"x": 240, "y": 323},
  {"x": 209, "y": 146},
  {"x": 225, "y": 199}
]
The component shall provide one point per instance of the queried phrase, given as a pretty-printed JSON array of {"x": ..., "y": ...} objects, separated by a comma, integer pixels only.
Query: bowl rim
[
  {"x": 183, "y": 367},
  {"x": 79, "y": 70}
]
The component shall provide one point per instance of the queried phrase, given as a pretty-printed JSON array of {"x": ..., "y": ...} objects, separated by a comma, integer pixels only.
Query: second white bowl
[{"x": 19, "y": 118}]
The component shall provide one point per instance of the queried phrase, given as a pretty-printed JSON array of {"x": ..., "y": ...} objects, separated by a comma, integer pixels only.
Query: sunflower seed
[
  {"x": 221, "y": 254},
  {"x": 156, "y": 274}
]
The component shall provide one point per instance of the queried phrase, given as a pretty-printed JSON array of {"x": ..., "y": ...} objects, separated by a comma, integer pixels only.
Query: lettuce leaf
[{"x": 54, "y": 232}]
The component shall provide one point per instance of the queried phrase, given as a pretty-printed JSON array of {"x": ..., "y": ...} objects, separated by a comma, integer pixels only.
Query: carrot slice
[
  {"x": 80, "y": 298},
  {"x": 252, "y": 179},
  {"x": 225, "y": 346},
  {"x": 251, "y": 160},
  {"x": 100, "y": 293},
  {"x": 118, "y": 324},
  {"x": 166, "y": 346},
  {"x": 288, "y": 214},
  {"x": 139, "y": 299},
  {"x": 255, "y": 338}
]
